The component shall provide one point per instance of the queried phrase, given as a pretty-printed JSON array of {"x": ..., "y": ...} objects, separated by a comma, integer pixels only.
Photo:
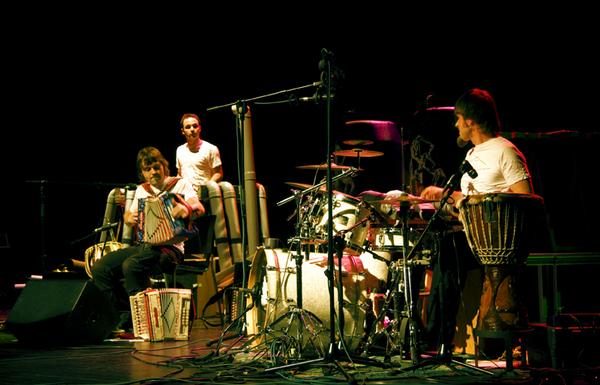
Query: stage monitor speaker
[{"x": 61, "y": 311}]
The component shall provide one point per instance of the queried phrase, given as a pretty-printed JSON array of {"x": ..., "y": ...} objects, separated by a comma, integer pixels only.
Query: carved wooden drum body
[{"x": 497, "y": 226}]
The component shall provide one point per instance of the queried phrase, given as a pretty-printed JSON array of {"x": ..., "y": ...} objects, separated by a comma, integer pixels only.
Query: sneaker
[{"x": 125, "y": 335}]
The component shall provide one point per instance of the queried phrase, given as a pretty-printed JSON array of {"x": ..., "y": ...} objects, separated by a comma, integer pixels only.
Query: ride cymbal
[
  {"x": 358, "y": 152},
  {"x": 303, "y": 186},
  {"x": 323, "y": 166}
]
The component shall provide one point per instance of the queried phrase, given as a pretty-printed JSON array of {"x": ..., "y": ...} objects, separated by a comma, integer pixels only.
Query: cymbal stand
[
  {"x": 305, "y": 319},
  {"x": 43, "y": 255},
  {"x": 349, "y": 172}
]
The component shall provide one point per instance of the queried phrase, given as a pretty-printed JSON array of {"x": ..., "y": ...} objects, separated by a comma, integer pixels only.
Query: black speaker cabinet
[{"x": 61, "y": 311}]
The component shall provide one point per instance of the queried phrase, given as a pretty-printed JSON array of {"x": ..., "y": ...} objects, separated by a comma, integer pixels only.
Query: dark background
[{"x": 81, "y": 98}]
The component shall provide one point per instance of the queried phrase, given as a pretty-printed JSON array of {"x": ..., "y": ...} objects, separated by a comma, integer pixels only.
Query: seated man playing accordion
[{"x": 135, "y": 264}]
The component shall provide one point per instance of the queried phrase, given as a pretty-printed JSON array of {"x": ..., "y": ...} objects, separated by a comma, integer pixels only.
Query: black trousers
[
  {"x": 450, "y": 267},
  {"x": 134, "y": 265}
]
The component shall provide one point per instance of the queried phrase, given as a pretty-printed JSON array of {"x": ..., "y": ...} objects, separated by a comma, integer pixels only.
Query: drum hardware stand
[
  {"x": 306, "y": 320},
  {"x": 392, "y": 294},
  {"x": 43, "y": 254},
  {"x": 450, "y": 187},
  {"x": 349, "y": 172}
]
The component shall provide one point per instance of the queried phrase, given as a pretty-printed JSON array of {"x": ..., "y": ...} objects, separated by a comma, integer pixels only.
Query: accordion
[
  {"x": 156, "y": 223},
  {"x": 161, "y": 314}
]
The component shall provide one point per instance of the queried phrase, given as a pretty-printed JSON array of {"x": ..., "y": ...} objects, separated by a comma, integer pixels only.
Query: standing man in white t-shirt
[{"x": 198, "y": 161}]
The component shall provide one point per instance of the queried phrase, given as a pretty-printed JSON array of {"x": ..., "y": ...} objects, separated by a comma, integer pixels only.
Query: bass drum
[
  {"x": 97, "y": 251},
  {"x": 273, "y": 275}
]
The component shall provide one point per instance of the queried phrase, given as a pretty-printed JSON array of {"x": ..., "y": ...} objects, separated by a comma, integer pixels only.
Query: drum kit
[
  {"x": 369, "y": 238},
  {"x": 382, "y": 245}
]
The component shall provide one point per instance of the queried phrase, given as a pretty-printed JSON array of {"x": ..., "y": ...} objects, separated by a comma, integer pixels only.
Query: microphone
[
  {"x": 460, "y": 142},
  {"x": 465, "y": 167},
  {"x": 106, "y": 227},
  {"x": 316, "y": 98},
  {"x": 326, "y": 54}
]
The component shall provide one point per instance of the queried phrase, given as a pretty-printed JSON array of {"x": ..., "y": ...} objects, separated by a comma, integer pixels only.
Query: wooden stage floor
[{"x": 197, "y": 361}]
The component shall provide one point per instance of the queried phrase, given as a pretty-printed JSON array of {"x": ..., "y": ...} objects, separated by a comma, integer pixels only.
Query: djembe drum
[
  {"x": 94, "y": 253},
  {"x": 496, "y": 226}
]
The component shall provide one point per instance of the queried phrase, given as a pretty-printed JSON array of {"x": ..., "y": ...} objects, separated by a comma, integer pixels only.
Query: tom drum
[{"x": 347, "y": 212}]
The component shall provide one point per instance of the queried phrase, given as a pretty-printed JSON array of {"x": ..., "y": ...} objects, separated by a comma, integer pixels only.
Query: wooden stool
[{"x": 509, "y": 337}]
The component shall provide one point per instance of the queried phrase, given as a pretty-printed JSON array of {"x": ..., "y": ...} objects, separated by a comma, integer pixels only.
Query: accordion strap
[{"x": 168, "y": 187}]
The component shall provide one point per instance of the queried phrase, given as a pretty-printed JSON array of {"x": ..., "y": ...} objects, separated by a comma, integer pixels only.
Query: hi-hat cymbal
[
  {"x": 356, "y": 152},
  {"x": 322, "y": 166},
  {"x": 413, "y": 200}
]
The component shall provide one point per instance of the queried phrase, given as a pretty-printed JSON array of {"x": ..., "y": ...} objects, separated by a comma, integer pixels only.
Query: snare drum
[
  {"x": 347, "y": 212},
  {"x": 387, "y": 238},
  {"x": 390, "y": 239}
]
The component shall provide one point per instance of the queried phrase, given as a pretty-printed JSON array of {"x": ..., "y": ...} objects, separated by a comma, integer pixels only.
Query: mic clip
[{"x": 106, "y": 227}]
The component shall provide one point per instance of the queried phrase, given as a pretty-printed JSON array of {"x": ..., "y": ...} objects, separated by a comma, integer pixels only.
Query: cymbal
[
  {"x": 375, "y": 130},
  {"x": 375, "y": 123},
  {"x": 303, "y": 186},
  {"x": 358, "y": 142},
  {"x": 356, "y": 152},
  {"x": 440, "y": 108},
  {"x": 413, "y": 200},
  {"x": 322, "y": 166}
]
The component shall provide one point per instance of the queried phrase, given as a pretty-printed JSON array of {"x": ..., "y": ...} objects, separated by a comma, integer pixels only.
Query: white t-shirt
[
  {"x": 499, "y": 165},
  {"x": 197, "y": 167},
  {"x": 182, "y": 187}
]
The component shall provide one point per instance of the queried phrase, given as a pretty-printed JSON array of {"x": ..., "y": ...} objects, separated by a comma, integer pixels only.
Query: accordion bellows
[
  {"x": 157, "y": 225},
  {"x": 161, "y": 314}
]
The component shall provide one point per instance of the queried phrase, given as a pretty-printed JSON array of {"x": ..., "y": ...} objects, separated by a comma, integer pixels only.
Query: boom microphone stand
[
  {"x": 333, "y": 351},
  {"x": 247, "y": 183},
  {"x": 450, "y": 187}
]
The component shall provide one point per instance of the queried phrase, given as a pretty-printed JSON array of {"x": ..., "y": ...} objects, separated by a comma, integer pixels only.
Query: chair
[{"x": 198, "y": 259}]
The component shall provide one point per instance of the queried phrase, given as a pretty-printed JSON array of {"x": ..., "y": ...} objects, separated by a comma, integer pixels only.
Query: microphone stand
[
  {"x": 450, "y": 187},
  {"x": 247, "y": 184},
  {"x": 332, "y": 350},
  {"x": 333, "y": 353}
]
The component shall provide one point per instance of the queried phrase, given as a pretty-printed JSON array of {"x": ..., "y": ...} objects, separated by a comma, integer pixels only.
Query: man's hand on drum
[
  {"x": 436, "y": 193},
  {"x": 433, "y": 193}
]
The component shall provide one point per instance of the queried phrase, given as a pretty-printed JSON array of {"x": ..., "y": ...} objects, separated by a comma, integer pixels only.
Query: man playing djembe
[{"x": 500, "y": 169}]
